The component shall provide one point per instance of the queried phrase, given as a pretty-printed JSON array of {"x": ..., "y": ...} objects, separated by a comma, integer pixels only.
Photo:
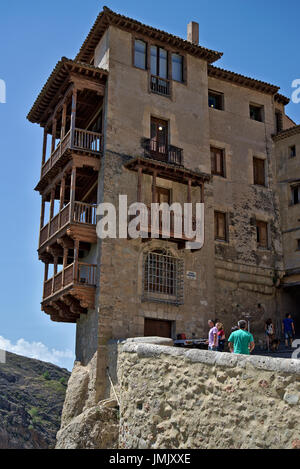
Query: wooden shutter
[
  {"x": 217, "y": 161},
  {"x": 220, "y": 225},
  {"x": 259, "y": 171},
  {"x": 262, "y": 234}
]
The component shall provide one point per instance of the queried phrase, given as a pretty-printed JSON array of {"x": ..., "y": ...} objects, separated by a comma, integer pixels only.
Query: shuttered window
[
  {"x": 220, "y": 226},
  {"x": 262, "y": 234},
  {"x": 217, "y": 161},
  {"x": 259, "y": 172}
]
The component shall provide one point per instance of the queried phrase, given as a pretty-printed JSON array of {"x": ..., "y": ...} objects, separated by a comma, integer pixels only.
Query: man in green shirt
[{"x": 241, "y": 341}]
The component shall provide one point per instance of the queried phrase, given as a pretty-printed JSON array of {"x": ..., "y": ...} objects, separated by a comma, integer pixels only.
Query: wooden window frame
[
  {"x": 215, "y": 150},
  {"x": 217, "y": 213},
  {"x": 261, "y": 108},
  {"x": 221, "y": 96},
  {"x": 259, "y": 180},
  {"x": 265, "y": 225}
]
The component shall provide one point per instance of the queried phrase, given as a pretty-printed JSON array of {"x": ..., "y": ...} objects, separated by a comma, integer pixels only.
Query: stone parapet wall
[{"x": 175, "y": 398}]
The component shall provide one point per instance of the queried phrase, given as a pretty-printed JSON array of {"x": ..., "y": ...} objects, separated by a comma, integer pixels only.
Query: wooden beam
[
  {"x": 154, "y": 175},
  {"x": 54, "y": 124},
  {"x": 63, "y": 121},
  {"x": 73, "y": 114},
  {"x": 139, "y": 185}
]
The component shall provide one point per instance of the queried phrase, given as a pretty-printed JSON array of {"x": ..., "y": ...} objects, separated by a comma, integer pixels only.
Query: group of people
[{"x": 241, "y": 341}]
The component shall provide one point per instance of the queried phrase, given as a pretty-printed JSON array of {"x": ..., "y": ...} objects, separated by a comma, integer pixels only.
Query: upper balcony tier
[{"x": 70, "y": 109}]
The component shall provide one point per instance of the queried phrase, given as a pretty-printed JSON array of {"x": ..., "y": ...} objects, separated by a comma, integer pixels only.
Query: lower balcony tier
[{"x": 70, "y": 293}]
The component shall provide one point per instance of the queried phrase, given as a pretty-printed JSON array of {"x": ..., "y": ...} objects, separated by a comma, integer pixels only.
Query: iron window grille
[{"x": 163, "y": 279}]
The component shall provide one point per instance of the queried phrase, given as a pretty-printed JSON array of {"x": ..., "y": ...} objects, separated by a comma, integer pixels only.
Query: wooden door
[{"x": 157, "y": 328}]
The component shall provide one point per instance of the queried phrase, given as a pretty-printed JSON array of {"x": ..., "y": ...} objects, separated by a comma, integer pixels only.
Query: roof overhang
[
  {"x": 58, "y": 83},
  {"x": 108, "y": 17},
  {"x": 287, "y": 133},
  {"x": 168, "y": 171}
]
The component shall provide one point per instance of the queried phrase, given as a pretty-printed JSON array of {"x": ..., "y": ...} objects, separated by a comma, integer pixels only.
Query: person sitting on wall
[
  {"x": 221, "y": 336},
  {"x": 212, "y": 336},
  {"x": 241, "y": 341},
  {"x": 288, "y": 329}
]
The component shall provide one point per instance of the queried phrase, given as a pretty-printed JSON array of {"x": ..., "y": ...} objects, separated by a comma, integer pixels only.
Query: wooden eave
[
  {"x": 280, "y": 98},
  {"x": 57, "y": 84},
  {"x": 287, "y": 133},
  {"x": 108, "y": 17},
  {"x": 241, "y": 80},
  {"x": 168, "y": 171}
]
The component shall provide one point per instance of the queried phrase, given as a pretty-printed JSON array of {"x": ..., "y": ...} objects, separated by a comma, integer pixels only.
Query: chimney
[{"x": 193, "y": 32}]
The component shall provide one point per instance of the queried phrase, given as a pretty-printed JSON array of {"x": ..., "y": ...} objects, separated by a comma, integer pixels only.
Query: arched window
[{"x": 163, "y": 277}]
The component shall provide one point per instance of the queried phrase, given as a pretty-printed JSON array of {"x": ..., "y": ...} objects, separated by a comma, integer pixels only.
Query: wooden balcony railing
[
  {"x": 177, "y": 228},
  {"x": 85, "y": 275},
  {"x": 162, "y": 152},
  {"x": 80, "y": 140},
  {"x": 81, "y": 213},
  {"x": 160, "y": 85}
]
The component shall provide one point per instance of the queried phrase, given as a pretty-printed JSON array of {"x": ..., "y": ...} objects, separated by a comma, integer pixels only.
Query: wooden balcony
[
  {"x": 160, "y": 85},
  {"x": 161, "y": 152},
  {"x": 79, "y": 220},
  {"x": 177, "y": 228},
  {"x": 82, "y": 140},
  {"x": 70, "y": 293}
]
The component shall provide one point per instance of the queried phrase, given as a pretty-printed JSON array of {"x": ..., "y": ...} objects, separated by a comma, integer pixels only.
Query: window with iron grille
[{"x": 163, "y": 277}]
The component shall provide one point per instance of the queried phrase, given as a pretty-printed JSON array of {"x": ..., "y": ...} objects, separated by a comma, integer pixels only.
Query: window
[
  {"x": 140, "y": 54},
  {"x": 256, "y": 112},
  {"x": 259, "y": 177},
  {"x": 292, "y": 151},
  {"x": 220, "y": 226},
  {"x": 217, "y": 161},
  {"x": 177, "y": 67},
  {"x": 262, "y": 234},
  {"x": 295, "y": 195},
  {"x": 159, "y": 62},
  {"x": 298, "y": 245},
  {"x": 216, "y": 100},
  {"x": 163, "y": 277},
  {"x": 159, "y": 136},
  {"x": 278, "y": 121}
]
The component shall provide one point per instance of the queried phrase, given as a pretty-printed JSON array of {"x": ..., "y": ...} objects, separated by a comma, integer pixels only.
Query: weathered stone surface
[{"x": 198, "y": 399}]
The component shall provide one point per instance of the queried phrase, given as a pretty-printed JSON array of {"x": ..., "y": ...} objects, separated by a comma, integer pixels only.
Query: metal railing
[
  {"x": 80, "y": 139},
  {"x": 163, "y": 152},
  {"x": 160, "y": 85}
]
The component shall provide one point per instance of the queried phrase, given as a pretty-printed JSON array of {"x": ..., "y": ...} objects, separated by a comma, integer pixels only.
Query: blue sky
[{"x": 259, "y": 39}]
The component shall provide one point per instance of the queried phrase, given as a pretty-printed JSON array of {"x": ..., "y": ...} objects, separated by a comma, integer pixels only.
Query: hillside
[{"x": 31, "y": 398}]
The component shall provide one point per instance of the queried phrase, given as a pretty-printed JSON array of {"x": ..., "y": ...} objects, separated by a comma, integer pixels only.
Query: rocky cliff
[{"x": 32, "y": 394}]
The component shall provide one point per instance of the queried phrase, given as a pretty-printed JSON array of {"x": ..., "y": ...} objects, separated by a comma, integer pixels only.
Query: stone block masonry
[{"x": 186, "y": 399}]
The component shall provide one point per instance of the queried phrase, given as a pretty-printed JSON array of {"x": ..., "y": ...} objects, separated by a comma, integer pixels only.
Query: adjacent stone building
[{"x": 143, "y": 113}]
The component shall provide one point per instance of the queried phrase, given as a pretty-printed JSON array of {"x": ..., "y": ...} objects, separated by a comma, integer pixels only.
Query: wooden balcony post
[
  {"x": 202, "y": 193},
  {"x": 62, "y": 197},
  {"x": 54, "y": 124},
  {"x": 189, "y": 193},
  {"x": 65, "y": 260},
  {"x": 63, "y": 121},
  {"x": 54, "y": 272},
  {"x": 139, "y": 186},
  {"x": 73, "y": 115},
  {"x": 42, "y": 213},
  {"x": 44, "y": 146},
  {"x": 46, "y": 272},
  {"x": 154, "y": 187},
  {"x": 51, "y": 211},
  {"x": 76, "y": 251},
  {"x": 72, "y": 193}
]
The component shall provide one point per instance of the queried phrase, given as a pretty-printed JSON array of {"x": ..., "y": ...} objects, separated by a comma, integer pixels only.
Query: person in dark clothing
[
  {"x": 288, "y": 329},
  {"x": 221, "y": 337}
]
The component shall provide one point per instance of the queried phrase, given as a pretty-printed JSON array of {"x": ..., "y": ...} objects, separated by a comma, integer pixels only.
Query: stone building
[{"x": 143, "y": 113}]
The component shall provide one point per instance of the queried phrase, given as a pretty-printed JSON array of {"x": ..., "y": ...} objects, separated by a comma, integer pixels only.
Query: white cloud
[{"x": 39, "y": 351}]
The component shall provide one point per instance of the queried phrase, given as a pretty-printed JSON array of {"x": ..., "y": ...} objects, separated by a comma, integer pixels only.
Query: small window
[
  {"x": 298, "y": 245},
  {"x": 256, "y": 112},
  {"x": 292, "y": 151},
  {"x": 216, "y": 100},
  {"x": 295, "y": 195},
  {"x": 220, "y": 226},
  {"x": 217, "y": 161},
  {"x": 262, "y": 234},
  {"x": 259, "y": 172},
  {"x": 177, "y": 67},
  {"x": 278, "y": 121},
  {"x": 140, "y": 54}
]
